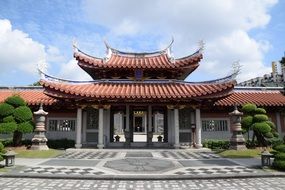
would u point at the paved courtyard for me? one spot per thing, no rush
(214, 184)
(135, 164)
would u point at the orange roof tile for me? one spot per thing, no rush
(159, 90)
(260, 98)
(156, 61)
(31, 96)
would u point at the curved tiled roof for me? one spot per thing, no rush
(153, 61)
(158, 90)
(259, 98)
(31, 96)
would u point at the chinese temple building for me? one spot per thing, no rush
(143, 100)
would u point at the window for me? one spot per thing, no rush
(92, 118)
(214, 125)
(61, 124)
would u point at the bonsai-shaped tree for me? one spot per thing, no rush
(256, 120)
(15, 117)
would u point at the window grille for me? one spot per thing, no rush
(214, 125)
(61, 125)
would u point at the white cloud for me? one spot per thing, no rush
(223, 24)
(18, 51)
(72, 71)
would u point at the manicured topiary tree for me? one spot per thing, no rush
(256, 120)
(279, 159)
(15, 117)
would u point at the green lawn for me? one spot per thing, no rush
(24, 153)
(249, 153)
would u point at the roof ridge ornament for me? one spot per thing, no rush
(168, 50)
(42, 67)
(75, 45)
(109, 51)
(201, 44)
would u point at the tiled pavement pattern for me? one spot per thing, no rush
(61, 171)
(215, 184)
(88, 155)
(188, 155)
(216, 170)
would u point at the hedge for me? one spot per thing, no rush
(216, 144)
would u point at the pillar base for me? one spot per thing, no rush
(100, 146)
(78, 145)
(176, 146)
(198, 146)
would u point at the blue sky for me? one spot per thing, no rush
(41, 32)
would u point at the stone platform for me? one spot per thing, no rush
(135, 164)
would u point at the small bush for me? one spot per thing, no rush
(280, 148)
(7, 142)
(61, 143)
(216, 144)
(15, 101)
(25, 127)
(249, 108)
(8, 128)
(8, 119)
(279, 164)
(262, 127)
(275, 134)
(2, 151)
(275, 141)
(260, 118)
(5, 110)
(280, 156)
(23, 114)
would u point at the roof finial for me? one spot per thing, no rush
(168, 49)
(74, 45)
(42, 67)
(201, 44)
(108, 51)
(236, 68)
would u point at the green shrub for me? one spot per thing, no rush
(15, 101)
(279, 164)
(260, 111)
(260, 118)
(268, 135)
(275, 141)
(5, 110)
(246, 122)
(8, 128)
(280, 156)
(22, 114)
(7, 142)
(8, 119)
(61, 143)
(216, 144)
(272, 125)
(2, 151)
(25, 127)
(275, 134)
(249, 108)
(280, 148)
(261, 127)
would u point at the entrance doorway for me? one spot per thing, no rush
(139, 126)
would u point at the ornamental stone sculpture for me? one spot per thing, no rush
(237, 141)
(39, 141)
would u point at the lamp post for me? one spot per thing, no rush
(193, 128)
(39, 141)
(237, 141)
